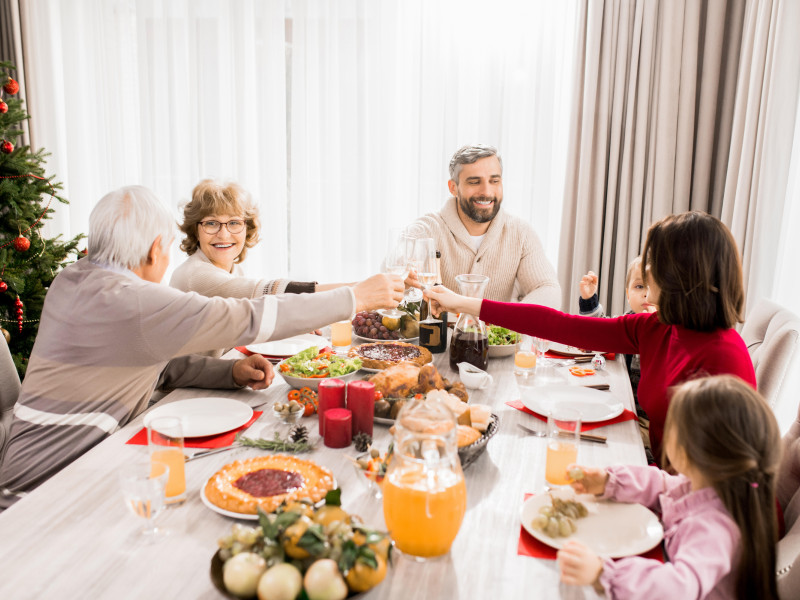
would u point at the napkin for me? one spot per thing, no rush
(221, 440)
(530, 546)
(626, 415)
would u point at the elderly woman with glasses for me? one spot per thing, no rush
(220, 223)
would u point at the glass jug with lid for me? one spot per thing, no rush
(470, 342)
(424, 494)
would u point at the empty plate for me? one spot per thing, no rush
(289, 346)
(594, 405)
(204, 416)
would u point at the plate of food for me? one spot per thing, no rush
(568, 351)
(371, 326)
(610, 529)
(593, 405)
(312, 365)
(289, 346)
(204, 416)
(377, 356)
(502, 341)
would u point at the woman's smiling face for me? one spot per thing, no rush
(222, 247)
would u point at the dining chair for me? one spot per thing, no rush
(788, 493)
(9, 391)
(772, 335)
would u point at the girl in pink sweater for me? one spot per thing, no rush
(694, 276)
(719, 512)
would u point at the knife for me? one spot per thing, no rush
(586, 437)
(210, 452)
(598, 386)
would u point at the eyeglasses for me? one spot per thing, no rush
(212, 227)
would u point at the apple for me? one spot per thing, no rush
(281, 582)
(323, 581)
(242, 572)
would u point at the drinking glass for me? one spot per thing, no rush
(341, 335)
(542, 346)
(398, 260)
(143, 486)
(525, 357)
(563, 436)
(425, 261)
(165, 440)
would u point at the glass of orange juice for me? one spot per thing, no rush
(525, 357)
(563, 436)
(165, 440)
(341, 334)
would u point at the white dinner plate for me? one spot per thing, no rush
(204, 416)
(571, 351)
(289, 346)
(594, 405)
(222, 511)
(612, 529)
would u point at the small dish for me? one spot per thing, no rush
(287, 417)
(473, 377)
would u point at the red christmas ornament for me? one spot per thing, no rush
(18, 304)
(3, 286)
(6, 147)
(3, 107)
(22, 243)
(11, 86)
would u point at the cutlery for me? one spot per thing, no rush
(586, 437)
(210, 452)
(598, 386)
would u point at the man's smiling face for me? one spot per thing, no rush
(479, 189)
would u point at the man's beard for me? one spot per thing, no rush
(479, 215)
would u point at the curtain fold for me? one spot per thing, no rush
(11, 51)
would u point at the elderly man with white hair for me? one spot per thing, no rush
(110, 333)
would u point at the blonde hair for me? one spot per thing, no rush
(636, 262)
(210, 197)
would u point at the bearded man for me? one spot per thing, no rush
(475, 236)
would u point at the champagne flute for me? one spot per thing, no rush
(425, 258)
(396, 262)
(542, 346)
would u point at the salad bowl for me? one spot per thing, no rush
(502, 341)
(312, 365)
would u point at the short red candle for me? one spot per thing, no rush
(338, 427)
(361, 401)
(330, 395)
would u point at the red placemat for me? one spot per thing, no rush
(210, 441)
(626, 415)
(244, 350)
(530, 546)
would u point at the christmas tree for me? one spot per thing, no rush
(28, 261)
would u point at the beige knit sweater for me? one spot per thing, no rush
(510, 254)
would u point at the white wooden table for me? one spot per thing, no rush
(73, 537)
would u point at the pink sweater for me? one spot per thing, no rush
(699, 535)
(669, 354)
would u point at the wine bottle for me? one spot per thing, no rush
(433, 333)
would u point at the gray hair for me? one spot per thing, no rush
(466, 155)
(125, 223)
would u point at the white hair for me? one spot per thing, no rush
(125, 223)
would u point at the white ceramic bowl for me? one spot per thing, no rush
(313, 383)
(504, 350)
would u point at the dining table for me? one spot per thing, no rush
(72, 537)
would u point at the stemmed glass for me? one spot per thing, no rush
(425, 260)
(143, 487)
(397, 262)
(542, 346)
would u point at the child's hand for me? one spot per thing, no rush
(588, 285)
(592, 482)
(579, 565)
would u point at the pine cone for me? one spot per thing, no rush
(298, 434)
(362, 442)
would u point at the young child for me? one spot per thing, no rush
(636, 293)
(719, 513)
(694, 276)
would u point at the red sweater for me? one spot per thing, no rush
(669, 354)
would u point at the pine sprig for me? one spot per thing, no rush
(277, 444)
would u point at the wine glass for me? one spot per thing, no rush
(542, 346)
(425, 259)
(143, 486)
(397, 262)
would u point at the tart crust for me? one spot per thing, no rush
(221, 489)
(382, 355)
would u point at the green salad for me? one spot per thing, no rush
(315, 363)
(500, 336)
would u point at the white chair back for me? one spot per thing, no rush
(9, 392)
(772, 335)
(788, 493)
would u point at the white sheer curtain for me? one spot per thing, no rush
(339, 116)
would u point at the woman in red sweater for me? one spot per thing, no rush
(694, 274)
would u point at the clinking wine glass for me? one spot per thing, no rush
(425, 261)
(542, 346)
(397, 262)
(144, 486)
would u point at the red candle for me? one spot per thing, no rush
(361, 401)
(330, 395)
(338, 427)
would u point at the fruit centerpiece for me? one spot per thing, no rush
(319, 551)
(371, 325)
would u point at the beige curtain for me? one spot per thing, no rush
(652, 124)
(11, 50)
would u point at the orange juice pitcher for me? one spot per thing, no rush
(424, 494)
